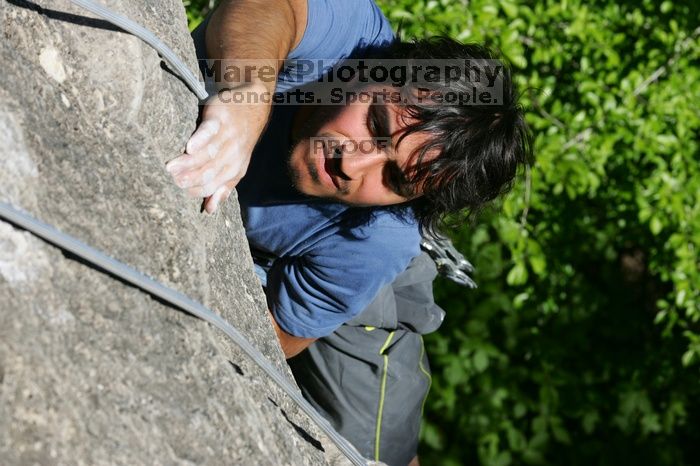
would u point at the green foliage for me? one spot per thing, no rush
(582, 343)
(197, 10)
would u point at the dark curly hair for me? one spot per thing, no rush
(480, 145)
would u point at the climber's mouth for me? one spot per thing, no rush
(332, 166)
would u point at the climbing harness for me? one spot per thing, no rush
(130, 275)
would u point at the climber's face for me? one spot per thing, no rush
(349, 154)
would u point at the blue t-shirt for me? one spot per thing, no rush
(327, 260)
(335, 30)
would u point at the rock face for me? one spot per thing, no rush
(93, 371)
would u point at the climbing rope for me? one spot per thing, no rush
(148, 37)
(450, 262)
(147, 284)
(181, 301)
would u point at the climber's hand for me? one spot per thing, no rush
(218, 153)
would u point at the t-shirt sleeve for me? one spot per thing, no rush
(335, 29)
(312, 295)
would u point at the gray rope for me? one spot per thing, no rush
(146, 283)
(148, 37)
(179, 300)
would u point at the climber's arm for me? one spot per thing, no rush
(291, 345)
(262, 31)
(241, 33)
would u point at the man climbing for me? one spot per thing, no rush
(335, 233)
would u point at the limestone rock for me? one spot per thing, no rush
(93, 371)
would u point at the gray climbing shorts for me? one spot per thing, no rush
(371, 377)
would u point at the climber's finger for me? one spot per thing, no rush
(229, 165)
(210, 178)
(184, 165)
(229, 175)
(190, 162)
(204, 145)
(221, 194)
(199, 170)
(205, 133)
